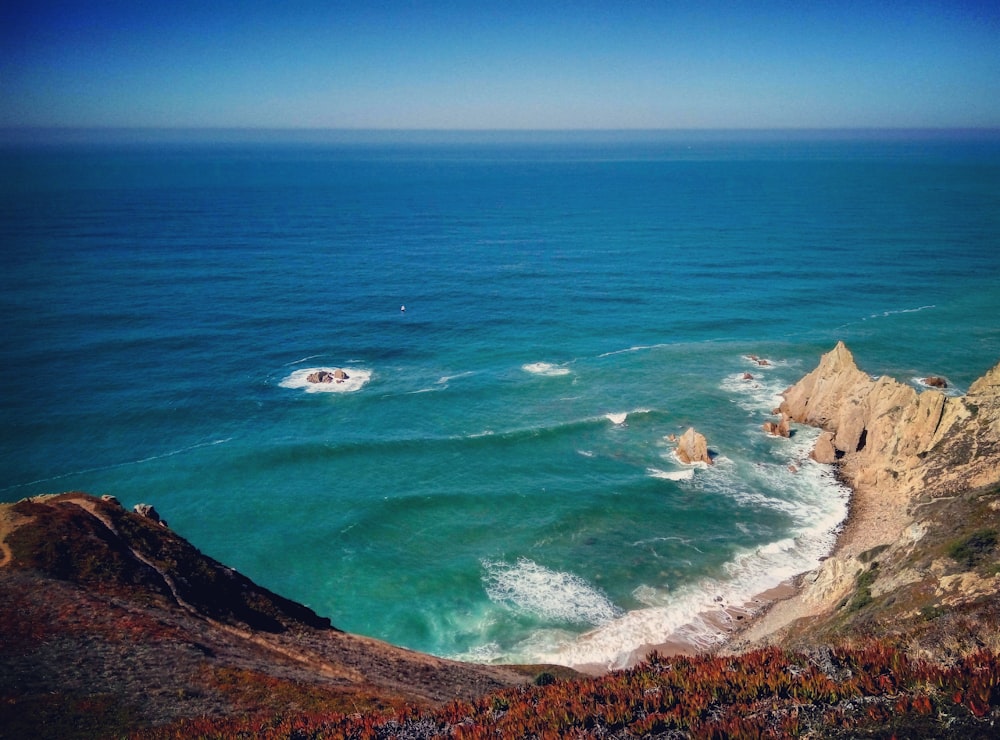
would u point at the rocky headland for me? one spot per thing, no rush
(924, 469)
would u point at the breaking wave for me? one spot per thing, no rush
(550, 595)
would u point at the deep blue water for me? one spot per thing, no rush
(469, 491)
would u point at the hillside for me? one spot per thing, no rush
(113, 625)
(109, 616)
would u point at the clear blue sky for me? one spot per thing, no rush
(489, 65)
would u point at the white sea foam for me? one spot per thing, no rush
(300, 360)
(761, 393)
(444, 379)
(545, 368)
(636, 348)
(686, 474)
(547, 594)
(358, 378)
(884, 314)
(951, 390)
(805, 490)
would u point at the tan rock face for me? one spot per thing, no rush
(778, 428)
(887, 434)
(692, 447)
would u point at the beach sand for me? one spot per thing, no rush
(875, 517)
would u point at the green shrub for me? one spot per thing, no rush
(970, 550)
(863, 588)
(544, 679)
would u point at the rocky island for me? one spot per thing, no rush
(112, 625)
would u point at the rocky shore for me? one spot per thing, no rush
(917, 464)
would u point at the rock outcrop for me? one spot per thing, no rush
(886, 434)
(326, 376)
(147, 511)
(780, 428)
(693, 448)
(925, 472)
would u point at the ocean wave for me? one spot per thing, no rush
(445, 379)
(116, 466)
(894, 312)
(675, 475)
(694, 613)
(629, 350)
(358, 378)
(757, 394)
(301, 360)
(550, 595)
(547, 369)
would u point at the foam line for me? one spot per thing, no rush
(115, 466)
(675, 475)
(551, 595)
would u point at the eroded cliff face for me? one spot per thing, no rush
(925, 470)
(887, 435)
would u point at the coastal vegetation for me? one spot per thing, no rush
(865, 691)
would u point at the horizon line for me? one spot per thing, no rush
(12, 135)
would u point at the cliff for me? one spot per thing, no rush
(887, 435)
(916, 562)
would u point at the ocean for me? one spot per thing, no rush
(525, 320)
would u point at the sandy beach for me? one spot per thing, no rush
(875, 517)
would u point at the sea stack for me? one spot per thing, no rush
(693, 448)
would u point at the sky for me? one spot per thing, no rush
(570, 64)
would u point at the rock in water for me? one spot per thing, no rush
(824, 451)
(779, 428)
(692, 447)
(325, 376)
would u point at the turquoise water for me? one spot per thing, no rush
(495, 481)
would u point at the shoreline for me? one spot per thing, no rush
(874, 518)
